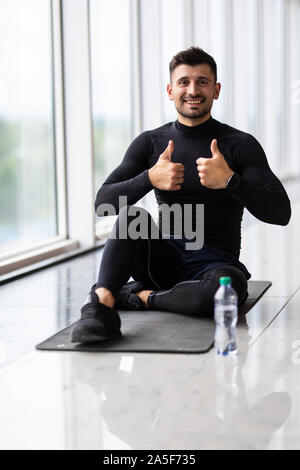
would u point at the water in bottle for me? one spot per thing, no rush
(226, 307)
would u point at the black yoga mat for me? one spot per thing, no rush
(155, 331)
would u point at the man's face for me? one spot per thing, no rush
(193, 90)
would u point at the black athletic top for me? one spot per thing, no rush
(259, 190)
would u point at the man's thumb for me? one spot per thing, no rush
(167, 154)
(214, 148)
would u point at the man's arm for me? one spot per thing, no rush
(257, 188)
(133, 179)
(130, 178)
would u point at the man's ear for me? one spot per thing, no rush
(217, 91)
(170, 92)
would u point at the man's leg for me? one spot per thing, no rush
(140, 258)
(197, 297)
(149, 260)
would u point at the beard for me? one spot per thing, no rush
(193, 113)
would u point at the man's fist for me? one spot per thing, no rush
(214, 172)
(165, 174)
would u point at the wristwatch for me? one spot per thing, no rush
(233, 182)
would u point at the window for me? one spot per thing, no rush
(28, 213)
(111, 84)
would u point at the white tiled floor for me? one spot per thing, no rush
(73, 400)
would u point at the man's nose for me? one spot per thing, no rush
(193, 89)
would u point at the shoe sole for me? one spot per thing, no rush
(85, 337)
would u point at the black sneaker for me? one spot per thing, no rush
(126, 298)
(97, 323)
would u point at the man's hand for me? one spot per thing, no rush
(214, 172)
(165, 174)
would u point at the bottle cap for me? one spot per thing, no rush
(224, 281)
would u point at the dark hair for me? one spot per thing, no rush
(193, 56)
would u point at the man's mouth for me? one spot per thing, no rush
(198, 101)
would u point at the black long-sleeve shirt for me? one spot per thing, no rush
(259, 190)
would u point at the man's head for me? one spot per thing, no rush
(193, 85)
(193, 56)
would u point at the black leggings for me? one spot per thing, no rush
(156, 264)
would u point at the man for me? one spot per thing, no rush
(193, 161)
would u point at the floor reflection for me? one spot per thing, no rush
(146, 403)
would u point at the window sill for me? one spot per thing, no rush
(49, 261)
(32, 257)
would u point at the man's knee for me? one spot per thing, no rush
(203, 301)
(131, 211)
(136, 223)
(238, 280)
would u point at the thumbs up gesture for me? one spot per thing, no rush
(165, 174)
(214, 172)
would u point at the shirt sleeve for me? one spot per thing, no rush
(259, 190)
(130, 178)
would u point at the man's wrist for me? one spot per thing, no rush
(233, 181)
(228, 179)
(150, 176)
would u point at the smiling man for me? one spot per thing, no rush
(193, 162)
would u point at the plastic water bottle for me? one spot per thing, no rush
(226, 307)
